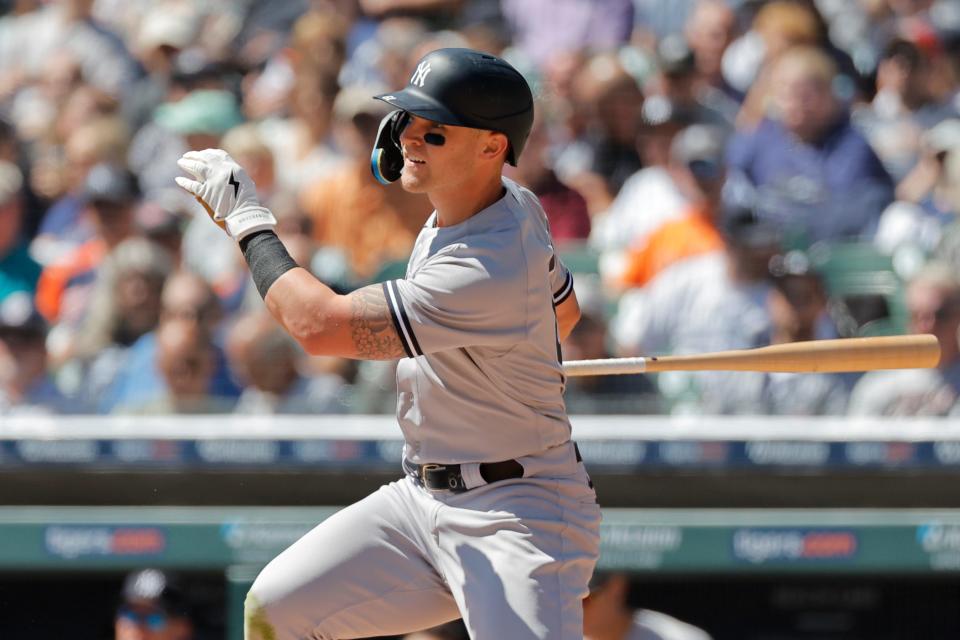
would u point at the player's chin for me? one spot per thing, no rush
(413, 183)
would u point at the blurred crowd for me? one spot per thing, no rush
(718, 174)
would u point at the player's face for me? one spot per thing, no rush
(437, 156)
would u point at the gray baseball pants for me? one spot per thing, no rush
(512, 558)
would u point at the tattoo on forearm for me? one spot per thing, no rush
(371, 327)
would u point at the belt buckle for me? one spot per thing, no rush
(424, 469)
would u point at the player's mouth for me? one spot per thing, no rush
(415, 160)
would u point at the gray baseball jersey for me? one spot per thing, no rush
(483, 384)
(475, 313)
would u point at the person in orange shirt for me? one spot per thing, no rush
(696, 164)
(372, 224)
(64, 288)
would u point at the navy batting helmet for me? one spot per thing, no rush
(468, 88)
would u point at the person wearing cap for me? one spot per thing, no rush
(152, 607)
(711, 302)
(933, 304)
(26, 387)
(679, 81)
(495, 519)
(649, 197)
(608, 614)
(18, 271)
(63, 291)
(920, 222)
(698, 169)
(65, 286)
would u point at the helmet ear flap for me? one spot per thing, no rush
(386, 159)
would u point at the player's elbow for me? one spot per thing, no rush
(317, 325)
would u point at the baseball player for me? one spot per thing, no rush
(495, 520)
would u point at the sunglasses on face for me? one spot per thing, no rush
(152, 620)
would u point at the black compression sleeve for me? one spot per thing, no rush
(267, 257)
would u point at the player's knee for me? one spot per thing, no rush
(273, 612)
(256, 620)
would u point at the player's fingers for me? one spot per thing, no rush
(192, 186)
(195, 155)
(197, 169)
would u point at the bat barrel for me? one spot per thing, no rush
(824, 356)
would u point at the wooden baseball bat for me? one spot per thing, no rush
(823, 356)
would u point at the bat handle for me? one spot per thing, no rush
(607, 367)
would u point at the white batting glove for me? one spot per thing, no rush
(225, 191)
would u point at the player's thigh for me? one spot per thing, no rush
(362, 572)
(519, 558)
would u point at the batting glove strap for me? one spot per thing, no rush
(244, 221)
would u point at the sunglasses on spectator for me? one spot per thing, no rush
(152, 620)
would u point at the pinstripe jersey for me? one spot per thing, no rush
(483, 380)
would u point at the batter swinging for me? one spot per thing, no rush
(496, 519)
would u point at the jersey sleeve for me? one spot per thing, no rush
(561, 280)
(459, 300)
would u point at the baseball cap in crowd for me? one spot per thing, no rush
(18, 314)
(154, 588)
(744, 227)
(212, 111)
(109, 183)
(166, 26)
(700, 147)
(355, 100)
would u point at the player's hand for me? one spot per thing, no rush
(225, 191)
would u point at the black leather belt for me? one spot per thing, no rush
(440, 477)
(447, 477)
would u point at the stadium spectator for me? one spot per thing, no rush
(188, 298)
(370, 223)
(66, 224)
(797, 304)
(678, 80)
(709, 30)
(697, 168)
(541, 28)
(270, 364)
(25, 385)
(713, 302)
(933, 300)
(186, 359)
(816, 172)
(124, 306)
(163, 32)
(18, 271)
(917, 221)
(648, 198)
(565, 208)
(608, 614)
(894, 121)
(604, 153)
(594, 395)
(153, 607)
(65, 286)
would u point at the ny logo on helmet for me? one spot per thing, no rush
(420, 75)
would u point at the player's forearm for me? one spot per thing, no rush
(304, 306)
